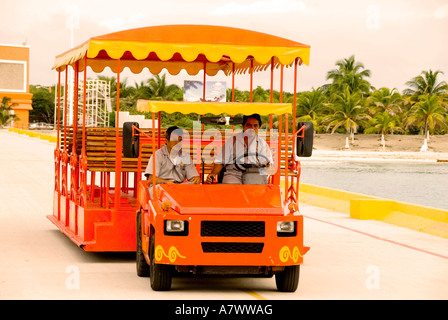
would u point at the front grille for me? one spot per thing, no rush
(232, 228)
(232, 247)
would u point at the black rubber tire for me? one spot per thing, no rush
(304, 146)
(161, 274)
(130, 143)
(142, 265)
(288, 280)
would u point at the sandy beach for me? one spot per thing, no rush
(369, 147)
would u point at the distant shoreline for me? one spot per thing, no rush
(368, 147)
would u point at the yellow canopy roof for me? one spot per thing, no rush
(216, 108)
(188, 47)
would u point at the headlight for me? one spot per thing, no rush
(286, 228)
(176, 227)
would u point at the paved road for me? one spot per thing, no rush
(349, 259)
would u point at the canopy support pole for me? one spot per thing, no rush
(84, 101)
(83, 157)
(280, 128)
(118, 145)
(65, 108)
(159, 124)
(75, 104)
(203, 88)
(251, 79)
(154, 156)
(59, 108)
(205, 78)
(74, 163)
(294, 162)
(57, 152)
(233, 82)
(272, 90)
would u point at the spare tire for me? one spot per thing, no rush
(130, 143)
(304, 146)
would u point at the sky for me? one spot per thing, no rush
(395, 39)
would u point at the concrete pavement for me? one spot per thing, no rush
(349, 258)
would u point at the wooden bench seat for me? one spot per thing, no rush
(101, 146)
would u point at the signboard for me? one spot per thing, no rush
(13, 76)
(215, 91)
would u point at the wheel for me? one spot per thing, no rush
(142, 265)
(288, 280)
(161, 274)
(130, 142)
(304, 146)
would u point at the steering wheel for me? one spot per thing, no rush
(244, 166)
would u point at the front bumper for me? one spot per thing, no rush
(237, 243)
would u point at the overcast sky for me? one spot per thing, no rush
(395, 39)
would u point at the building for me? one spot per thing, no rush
(14, 80)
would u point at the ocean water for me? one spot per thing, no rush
(423, 184)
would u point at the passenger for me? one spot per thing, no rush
(244, 147)
(172, 165)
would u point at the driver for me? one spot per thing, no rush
(244, 147)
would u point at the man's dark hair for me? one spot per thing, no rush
(255, 116)
(176, 130)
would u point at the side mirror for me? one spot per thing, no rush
(131, 143)
(304, 145)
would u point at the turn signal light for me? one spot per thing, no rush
(166, 205)
(293, 207)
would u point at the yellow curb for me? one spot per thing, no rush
(34, 134)
(424, 219)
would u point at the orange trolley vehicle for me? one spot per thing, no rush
(102, 202)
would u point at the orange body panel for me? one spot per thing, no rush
(221, 203)
(94, 228)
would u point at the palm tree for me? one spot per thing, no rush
(142, 91)
(260, 95)
(240, 96)
(426, 84)
(310, 105)
(383, 123)
(161, 91)
(6, 115)
(310, 102)
(385, 99)
(349, 74)
(428, 113)
(348, 112)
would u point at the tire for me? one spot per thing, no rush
(130, 143)
(161, 274)
(304, 146)
(142, 265)
(288, 280)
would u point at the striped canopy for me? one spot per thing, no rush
(185, 47)
(216, 108)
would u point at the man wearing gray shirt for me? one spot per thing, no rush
(172, 165)
(245, 146)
